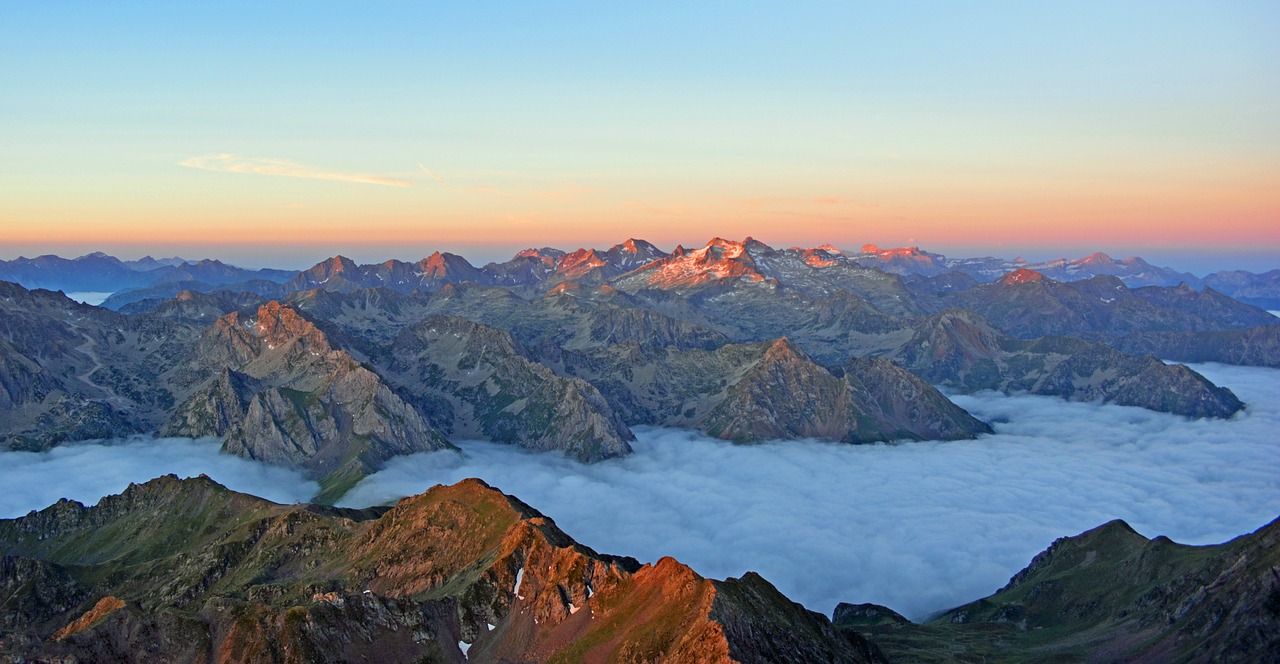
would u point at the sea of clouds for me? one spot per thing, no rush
(919, 527)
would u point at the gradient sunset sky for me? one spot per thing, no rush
(283, 133)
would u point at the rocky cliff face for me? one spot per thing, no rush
(280, 393)
(187, 570)
(474, 381)
(1110, 594)
(958, 348)
(769, 391)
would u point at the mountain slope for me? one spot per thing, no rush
(1028, 304)
(473, 381)
(769, 391)
(958, 348)
(186, 569)
(1255, 346)
(280, 393)
(1110, 594)
(69, 371)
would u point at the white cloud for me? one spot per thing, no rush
(432, 174)
(87, 472)
(919, 527)
(225, 162)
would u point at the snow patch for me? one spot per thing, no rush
(519, 580)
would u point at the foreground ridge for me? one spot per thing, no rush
(187, 570)
(1108, 594)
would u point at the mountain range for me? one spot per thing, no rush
(187, 570)
(566, 352)
(337, 369)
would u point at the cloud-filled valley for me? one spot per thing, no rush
(919, 527)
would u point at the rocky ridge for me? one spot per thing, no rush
(1109, 594)
(278, 392)
(458, 573)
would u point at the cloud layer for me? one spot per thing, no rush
(919, 527)
(225, 162)
(87, 472)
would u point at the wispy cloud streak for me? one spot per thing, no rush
(226, 162)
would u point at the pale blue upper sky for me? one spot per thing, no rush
(922, 119)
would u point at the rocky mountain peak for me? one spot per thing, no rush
(783, 350)
(578, 263)
(1096, 258)
(1021, 275)
(276, 324)
(332, 266)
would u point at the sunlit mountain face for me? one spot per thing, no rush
(825, 332)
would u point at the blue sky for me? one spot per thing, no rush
(1018, 128)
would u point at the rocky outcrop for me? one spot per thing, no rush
(959, 349)
(280, 393)
(769, 391)
(460, 572)
(475, 381)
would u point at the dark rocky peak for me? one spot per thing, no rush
(753, 245)
(866, 615)
(274, 326)
(640, 249)
(332, 266)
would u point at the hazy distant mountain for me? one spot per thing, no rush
(187, 570)
(98, 272)
(91, 272)
(169, 289)
(1133, 271)
(1261, 290)
(1108, 594)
